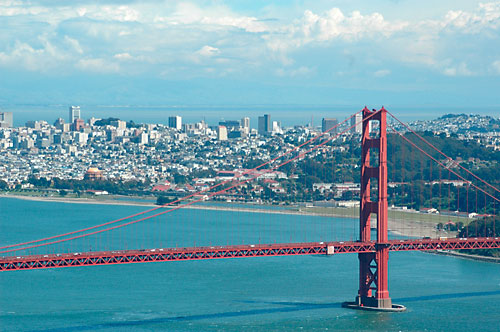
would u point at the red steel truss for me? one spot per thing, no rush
(180, 254)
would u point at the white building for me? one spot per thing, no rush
(74, 113)
(245, 124)
(6, 119)
(357, 123)
(119, 124)
(81, 138)
(222, 133)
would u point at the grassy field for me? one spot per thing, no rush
(352, 212)
(393, 214)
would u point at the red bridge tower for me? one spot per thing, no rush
(373, 291)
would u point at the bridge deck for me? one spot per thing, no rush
(217, 252)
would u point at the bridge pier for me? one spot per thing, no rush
(373, 293)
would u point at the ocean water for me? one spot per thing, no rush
(302, 293)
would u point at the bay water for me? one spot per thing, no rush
(299, 293)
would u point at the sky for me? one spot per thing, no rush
(398, 53)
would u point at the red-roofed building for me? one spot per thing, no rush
(161, 187)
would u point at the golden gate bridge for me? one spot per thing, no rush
(107, 243)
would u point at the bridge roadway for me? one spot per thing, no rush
(29, 262)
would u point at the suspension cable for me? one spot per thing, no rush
(185, 197)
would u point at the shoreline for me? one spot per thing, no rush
(397, 226)
(473, 257)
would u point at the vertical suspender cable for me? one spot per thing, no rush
(467, 203)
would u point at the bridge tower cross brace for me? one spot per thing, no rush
(373, 267)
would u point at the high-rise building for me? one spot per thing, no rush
(222, 133)
(265, 124)
(357, 124)
(143, 138)
(329, 123)
(277, 128)
(74, 113)
(6, 119)
(175, 122)
(59, 123)
(245, 123)
(110, 135)
(78, 124)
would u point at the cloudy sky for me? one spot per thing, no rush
(247, 52)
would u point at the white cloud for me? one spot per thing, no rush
(211, 16)
(496, 66)
(8, 3)
(208, 51)
(114, 13)
(300, 71)
(41, 59)
(487, 16)
(328, 27)
(74, 43)
(123, 56)
(334, 24)
(97, 65)
(15, 8)
(382, 73)
(146, 34)
(460, 70)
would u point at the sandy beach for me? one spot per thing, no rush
(399, 226)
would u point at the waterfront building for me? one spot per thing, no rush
(93, 173)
